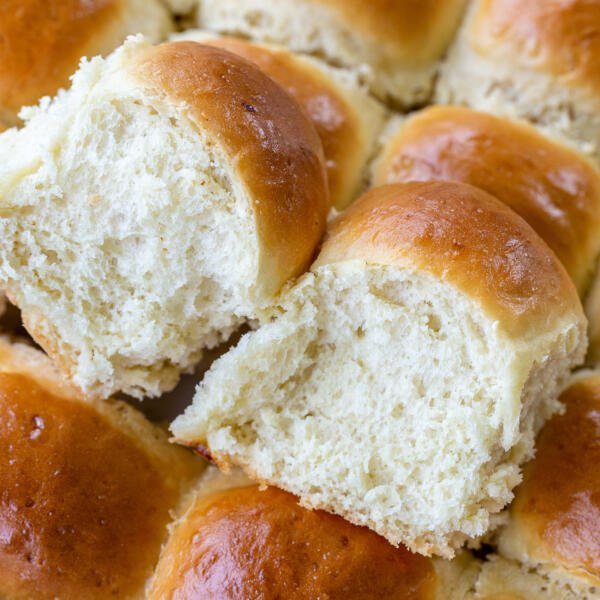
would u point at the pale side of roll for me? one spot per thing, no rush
(536, 60)
(395, 46)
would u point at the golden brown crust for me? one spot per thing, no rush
(560, 38)
(334, 119)
(272, 144)
(462, 235)
(415, 30)
(262, 544)
(556, 190)
(84, 504)
(556, 512)
(41, 42)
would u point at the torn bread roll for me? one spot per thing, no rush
(550, 548)
(237, 540)
(405, 377)
(153, 208)
(537, 60)
(554, 188)
(86, 487)
(395, 46)
(44, 40)
(346, 118)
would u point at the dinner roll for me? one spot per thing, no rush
(395, 46)
(536, 59)
(153, 208)
(42, 41)
(403, 380)
(86, 487)
(248, 542)
(555, 189)
(346, 118)
(553, 534)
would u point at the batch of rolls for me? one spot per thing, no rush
(370, 231)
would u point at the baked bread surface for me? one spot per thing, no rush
(350, 397)
(86, 487)
(554, 188)
(44, 40)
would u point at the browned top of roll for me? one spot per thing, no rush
(83, 507)
(41, 42)
(555, 189)
(560, 38)
(334, 119)
(270, 141)
(262, 544)
(556, 512)
(418, 30)
(462, 235)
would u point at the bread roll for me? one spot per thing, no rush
(43, 41)
(153, 208)
(403, 382)
(555, 189)
(550, 548)
(346, 118)
(86, 487)
(248, 542)
(536, 59)
(395, 46)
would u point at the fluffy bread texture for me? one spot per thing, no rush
(153, 208)
(405, 377)
(395, 46)
(347, 119)
(212, 553)
(536, 60)
(44, 40)
(86, 487)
